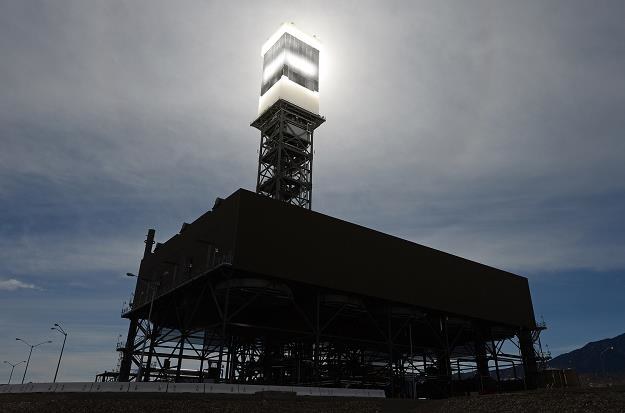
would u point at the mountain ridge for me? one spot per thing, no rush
(606, 356)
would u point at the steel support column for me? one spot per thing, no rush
(481, 355)
(528, 354)
(148, 366)
(128, 351)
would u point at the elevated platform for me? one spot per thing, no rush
(258, 235)
(258, 291)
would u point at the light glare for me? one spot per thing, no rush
(293, 30)
(298, 63)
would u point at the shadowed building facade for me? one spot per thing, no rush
(260, 291)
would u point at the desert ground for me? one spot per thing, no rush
(607, 399)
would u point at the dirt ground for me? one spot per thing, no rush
(557, 400)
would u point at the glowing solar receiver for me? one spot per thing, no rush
(290, 69)
(288, 114)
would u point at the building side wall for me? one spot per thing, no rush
(281, 240)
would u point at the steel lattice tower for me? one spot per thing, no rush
(285, 158)
(288, 116)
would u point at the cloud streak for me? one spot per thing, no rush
(12, 284)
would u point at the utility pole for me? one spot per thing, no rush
(30, 354)
(58, 328)
(13, 368)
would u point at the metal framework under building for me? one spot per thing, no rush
(285, 158)
(201, 314)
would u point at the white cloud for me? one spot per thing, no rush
(12, 284)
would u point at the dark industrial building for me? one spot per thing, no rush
(259, 291)
(263, 290)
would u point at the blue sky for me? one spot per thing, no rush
(491, 130)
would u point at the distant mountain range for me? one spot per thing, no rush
(594, 357)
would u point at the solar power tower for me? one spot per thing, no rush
(288, 114)
(215, 304)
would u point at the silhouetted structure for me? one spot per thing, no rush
(285, 158)
(259, 291)
(288, 114)
(263, 290)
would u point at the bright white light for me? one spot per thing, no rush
(294, 31)
(275, 65)
(290, 91)
(302, 65)
(298, 63)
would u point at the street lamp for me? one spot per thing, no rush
(58, 328)
(151, 283)
(29, 354)
(13, 368)
(603, 360)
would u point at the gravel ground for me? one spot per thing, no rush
(560, 401)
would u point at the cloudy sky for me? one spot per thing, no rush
(494, 130)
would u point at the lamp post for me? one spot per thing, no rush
(29, 354)
(603, 360)
(13, 368)
(58, 328)
(151, 283)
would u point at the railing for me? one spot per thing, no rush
(218, 258)
(121, 345)
(127, 305)
(545, 355)
(214, 260)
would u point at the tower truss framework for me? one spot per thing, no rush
(285, 157)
